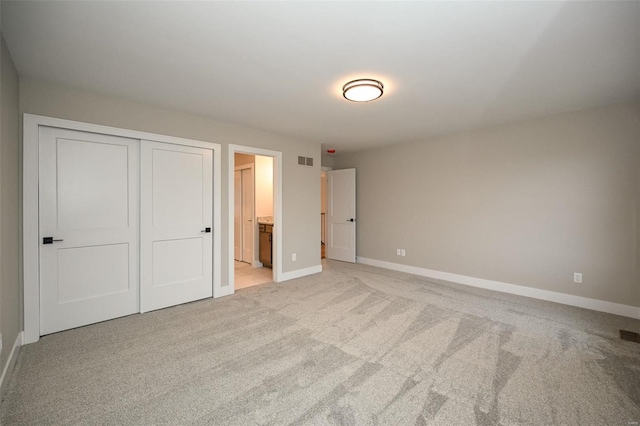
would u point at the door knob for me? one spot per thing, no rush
(206, 230)
(351, 220)
(50, 240)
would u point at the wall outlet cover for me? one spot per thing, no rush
(577, 277)
(293, 257)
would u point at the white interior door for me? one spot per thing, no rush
(88, 214)
(341, 215)
(248, 200)
(237, 215)
(176, 211)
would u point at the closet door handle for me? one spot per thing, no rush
(50, 240)
(206, 230)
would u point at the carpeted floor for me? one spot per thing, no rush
(355, 345)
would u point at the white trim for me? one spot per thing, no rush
(114, 131)
(30, 236)
(30, 231)
(226, 291)
(217, 221)
(11, 362)
(277, 208)
(535, 293)
(257, 264)
(298, 273)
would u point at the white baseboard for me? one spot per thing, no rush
(257, 264)
(11, 362)
(224, 291)
(298, 273)
(552, 296)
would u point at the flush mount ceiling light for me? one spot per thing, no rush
(363, 90)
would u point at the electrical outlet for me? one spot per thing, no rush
(402, 252)
(577, 277)
(293, 257)
(398, 252)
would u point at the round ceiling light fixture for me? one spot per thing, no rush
(363, 90)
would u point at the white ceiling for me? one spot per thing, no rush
(446, 66)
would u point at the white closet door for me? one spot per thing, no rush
(176, 211)
(88, 214)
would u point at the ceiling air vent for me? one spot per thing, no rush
(305, 161)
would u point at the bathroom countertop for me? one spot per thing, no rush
(265, 220)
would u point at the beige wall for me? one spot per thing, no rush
(263, 177)
(264, 185)
(10, 303)
(328, 160)
(527, 204)
(301, 188)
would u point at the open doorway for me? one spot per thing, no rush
(323, 213)
(253, 219)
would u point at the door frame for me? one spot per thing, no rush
(250, 166)
(277, 208)
(30, 213)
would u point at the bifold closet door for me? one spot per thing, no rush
(176, 215)
(248, 227)
(88, 228)
(237, 215)
(243, 213)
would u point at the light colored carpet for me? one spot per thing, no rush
(354, 345)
